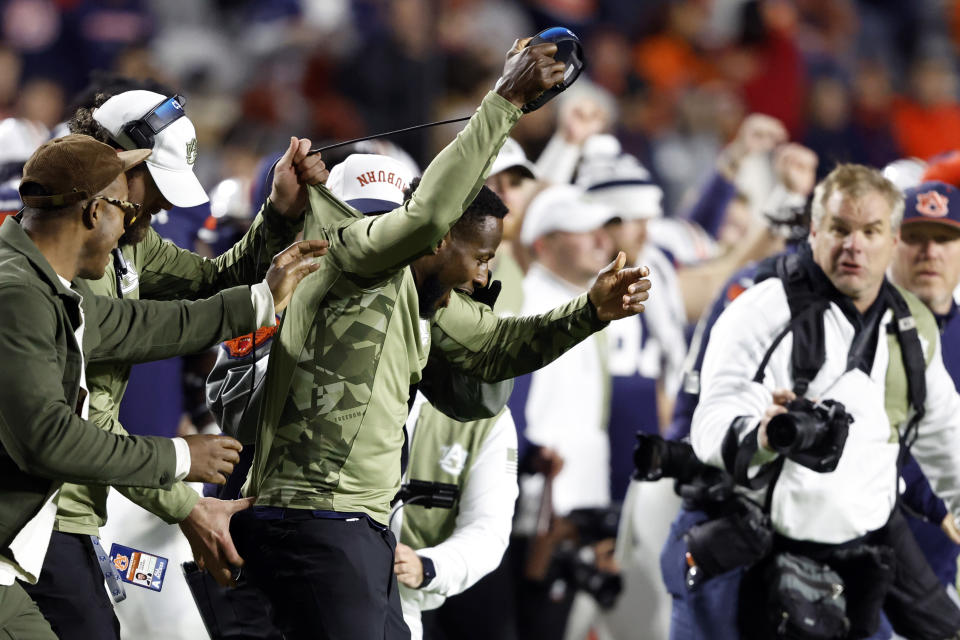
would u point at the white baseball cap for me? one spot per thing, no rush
(618, 180)
(905, 172)
(512, 155)
(19, 138)
(562, 207)
(370, 183)
(174, 148)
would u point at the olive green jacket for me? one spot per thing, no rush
(43, 440)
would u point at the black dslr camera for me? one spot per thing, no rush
(429, 494)
(697, 483)
(811, 433)
(573, 560)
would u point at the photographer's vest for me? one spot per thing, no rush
(911, 340)
(442, 450)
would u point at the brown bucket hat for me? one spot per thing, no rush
(74, 168)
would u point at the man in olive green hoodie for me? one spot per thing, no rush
(75, 194)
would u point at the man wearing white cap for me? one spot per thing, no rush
(19, 138)
(564, 405)
(145, 266)
(514, 179)
(330, 435)
(565, 408)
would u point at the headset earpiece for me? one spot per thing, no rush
(139, 133)
(142, 132)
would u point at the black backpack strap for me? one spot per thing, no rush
(806, 322)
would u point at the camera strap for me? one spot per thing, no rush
(806, 323)
(747, 449)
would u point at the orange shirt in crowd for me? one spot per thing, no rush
(924, 132)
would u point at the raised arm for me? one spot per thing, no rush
(168, 272)
(378, 245)
(132, 331)
(381, 244)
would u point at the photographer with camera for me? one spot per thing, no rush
(814, 384)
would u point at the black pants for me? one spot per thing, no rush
(325, 578)
(917, 605)
(70, 592)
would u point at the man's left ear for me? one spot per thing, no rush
(90, 214)
(443, 244)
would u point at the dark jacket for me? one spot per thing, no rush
(43, 441)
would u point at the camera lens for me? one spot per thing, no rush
(782, 432)
(794, 431)
(648, 457)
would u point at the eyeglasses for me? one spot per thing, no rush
(130, 209)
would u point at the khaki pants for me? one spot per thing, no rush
(20, 619)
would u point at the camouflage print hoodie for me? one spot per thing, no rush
(351, 342)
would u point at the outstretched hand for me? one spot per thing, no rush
(296, 169)
(290, 266)
(207, 529)
(619, 292)
(529, 71)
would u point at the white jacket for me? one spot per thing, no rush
(859, 495)
(567, 405)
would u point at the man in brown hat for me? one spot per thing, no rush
(74, 190)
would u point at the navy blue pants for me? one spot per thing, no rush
(324, 577)
(70, 592)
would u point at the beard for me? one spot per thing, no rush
(136, 232)
(431, 293)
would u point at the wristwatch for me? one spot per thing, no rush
(429, 571)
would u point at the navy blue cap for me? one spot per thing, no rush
(936, 202)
